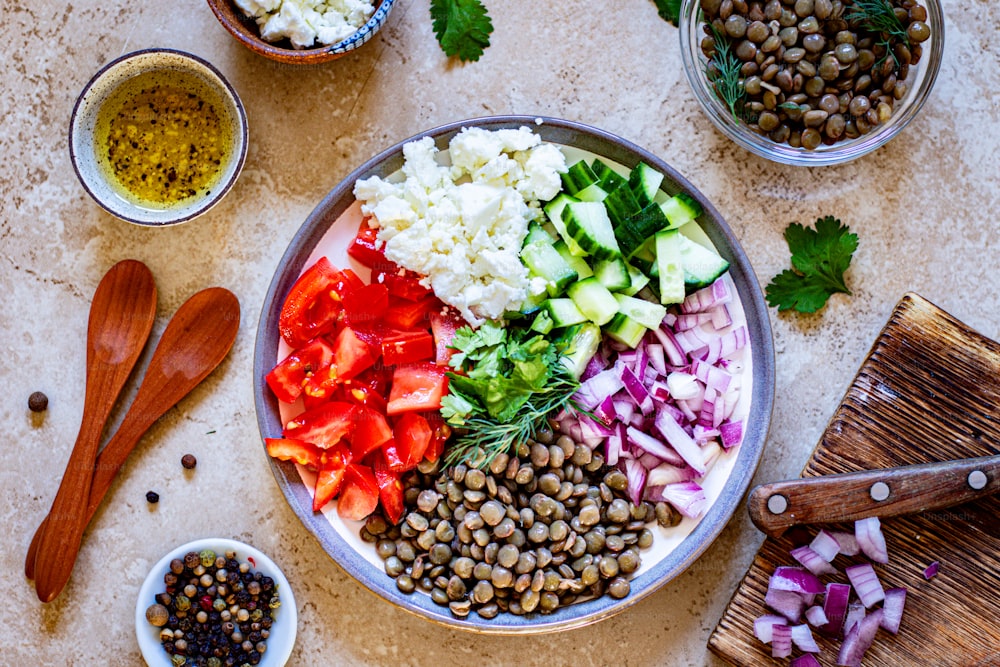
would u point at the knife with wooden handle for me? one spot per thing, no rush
(883, 493)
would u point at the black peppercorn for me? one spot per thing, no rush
(152, 497)
(38, 402)
(189, 461)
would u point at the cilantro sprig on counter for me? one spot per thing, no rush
(462, 27)
(669, 10)
(510, 381)
(820, 257)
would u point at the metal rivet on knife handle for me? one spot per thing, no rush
(879, 491)
(777, 504)
(977, 479)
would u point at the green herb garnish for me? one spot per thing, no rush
(511, 381)
(462, 27)
(877, 16)
(669, 10)
(820, 257)
(723, 71)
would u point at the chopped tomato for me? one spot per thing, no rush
(330, 476)
(358, 494)
(440, 432)
(407, 347)
(365, 308)
(412, 435)
(365, 247)
(417, 387)
(390, 490)
(351, 282)
(444, 323)
(360, 393)
(312, 305)
(403, 314)
(351, 354)
(289, 376)
(400, 282)
(371, 431)
(324, 426)
(290, 449)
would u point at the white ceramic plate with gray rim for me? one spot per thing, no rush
(328, 230)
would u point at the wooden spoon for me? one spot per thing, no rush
(121, 317)
(883, 493)
(195, 341)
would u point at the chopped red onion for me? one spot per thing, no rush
(712, 376)
(657, 359)
(859, 640)
(781, 641)
(871, 540)
(795, 579)
(805, 660)
(721, 317)
(612, 448)
(635, 473)
(835, 607)
(816, 616)
(892, 609)
(667, 473)
(812, 561)
(731, 433)
(671, 346)
(787, 603)
(825, 545)
(848, 543)
(679, 439)
(636, 390)
(683, 386)
(866, 583)
(855, 612)
(931, 570)
(762, 626)
(707, 297)
(803, 638)
(688, 498)
(687, 321)
(652, 445)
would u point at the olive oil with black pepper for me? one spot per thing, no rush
(164, 137)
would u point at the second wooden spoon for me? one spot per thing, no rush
(195, 341)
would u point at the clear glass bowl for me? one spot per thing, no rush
(920, 81)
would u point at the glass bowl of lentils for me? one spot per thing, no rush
(215, 602)
(811, 82)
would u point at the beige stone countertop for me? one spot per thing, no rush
(924, 207)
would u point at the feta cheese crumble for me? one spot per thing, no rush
(307, 22)
(462, 226)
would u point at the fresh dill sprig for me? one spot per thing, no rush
(877, 16)
(723, 71)
(485, 438)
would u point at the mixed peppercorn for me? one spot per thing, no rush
(215, 611)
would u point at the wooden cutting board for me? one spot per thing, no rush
(929, 390)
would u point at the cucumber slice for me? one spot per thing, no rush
(613, 274)
(621, 204)
(680, 209)
(536, 233)
(553, 211)
(701, 265)
(577, 177)
(578, 344)
(592, 192)
(607, 176)
(641, 226)
(542, 322)
(588, 224)
(638, 280)
(625, 330)
(576, 263)
(595, 301)
(669, 267)
(542, 260)
(646, 313)
(645, 183)
(563, 312)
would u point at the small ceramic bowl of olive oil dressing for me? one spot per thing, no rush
(158, 137)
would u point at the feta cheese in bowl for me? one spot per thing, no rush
(307, 22)
(463, 226)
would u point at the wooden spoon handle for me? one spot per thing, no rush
(121, 317)
(194, 343)
(883, 493)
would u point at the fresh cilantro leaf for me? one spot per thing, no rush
(462, 27)
(820, 257)
(669, 10)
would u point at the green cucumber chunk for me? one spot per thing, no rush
(607, 177)
(563, 312)
(701, 265)
(668, 266)
(646, 313)
(578, 344)
(594, 300)
(577, 263)
(625, 330)
(588, 224)
(645, 183)
(613, 274)
(578, 176)
(543, 260)
(680, 209)
(553, 211)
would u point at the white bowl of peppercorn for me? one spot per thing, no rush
(811, 82)
(215, 599)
